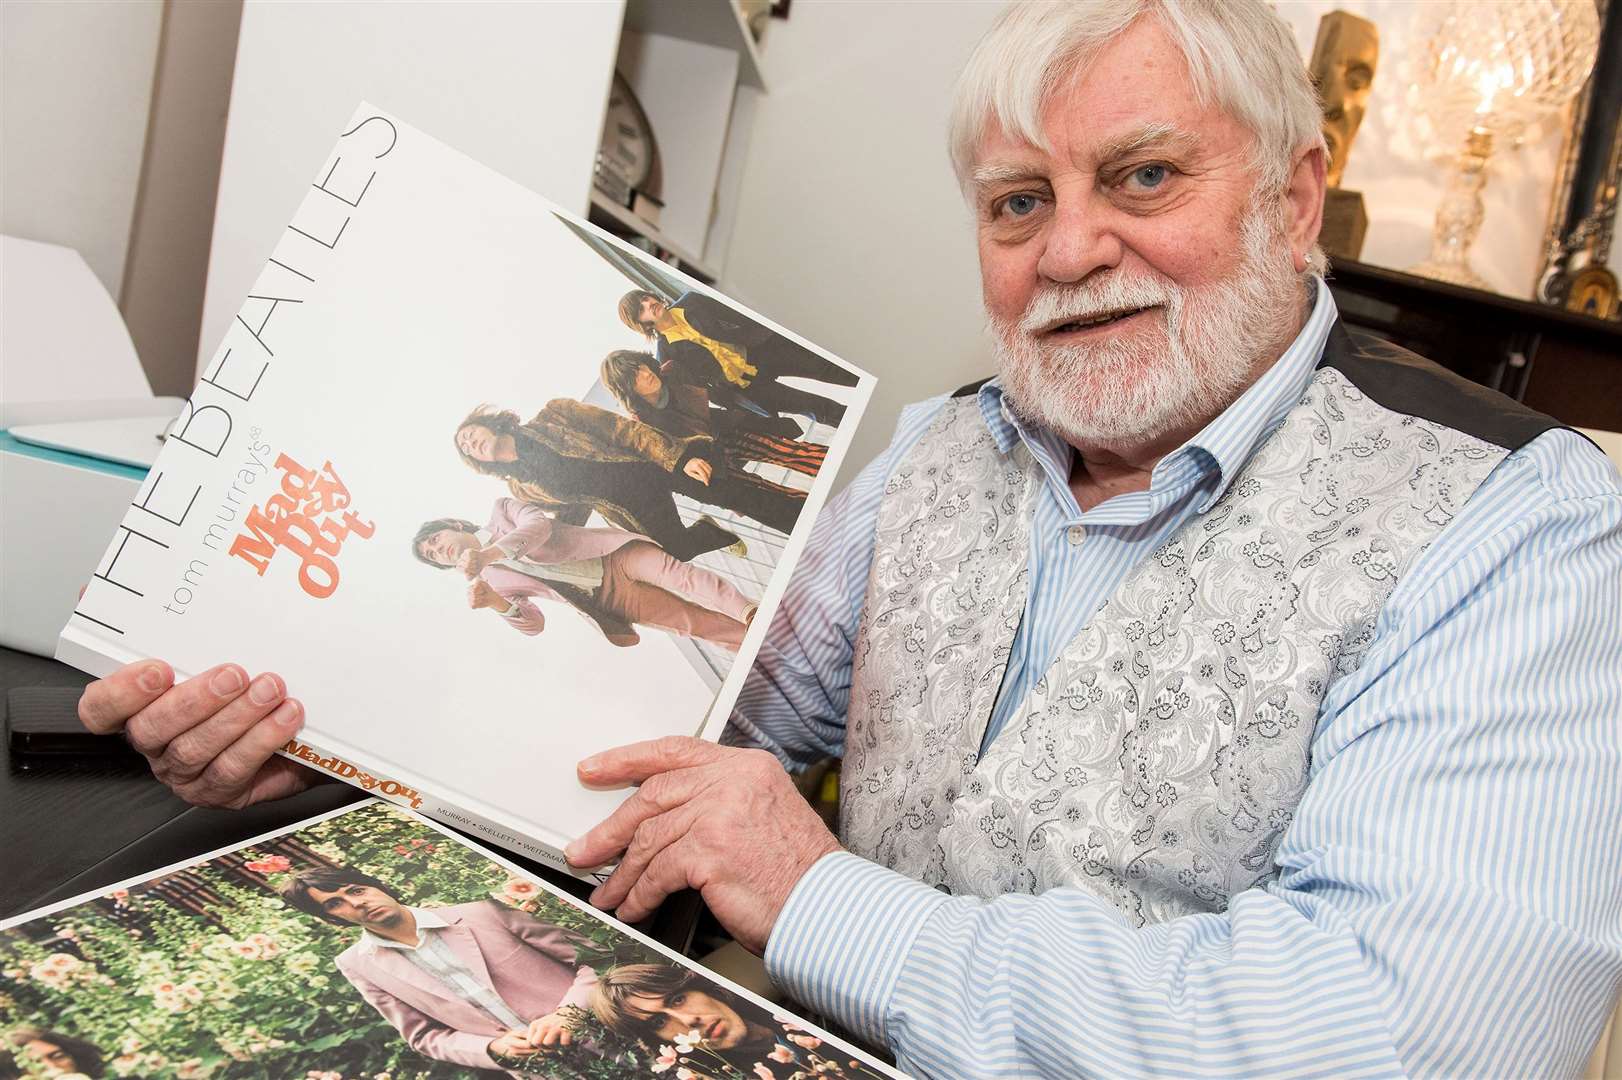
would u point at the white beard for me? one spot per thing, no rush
(1204, 352)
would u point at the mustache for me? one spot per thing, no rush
(1057, 304)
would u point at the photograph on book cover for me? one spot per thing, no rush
(371, 943)
(489, 488)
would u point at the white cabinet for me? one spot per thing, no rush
(697, 73)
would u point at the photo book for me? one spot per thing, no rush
(372, 944)
(489, 488)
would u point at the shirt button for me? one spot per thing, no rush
(1075, 534)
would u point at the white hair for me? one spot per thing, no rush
(1240, 55)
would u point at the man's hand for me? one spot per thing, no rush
(698, 469)
(210, 738)
(725, 821)
(474, 560)
(550, 1030)
(481, 595)
(510, 1044)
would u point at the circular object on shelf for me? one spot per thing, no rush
(627, 155)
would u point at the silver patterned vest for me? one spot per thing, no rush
(1160, 758)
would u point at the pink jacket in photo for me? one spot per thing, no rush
(524, 530)
(529, 963)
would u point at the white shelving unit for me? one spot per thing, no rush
(707, 22)
(627, 222)
(698, 73)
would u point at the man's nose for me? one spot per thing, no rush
(1080, 240)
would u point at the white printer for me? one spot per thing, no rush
(79, 428)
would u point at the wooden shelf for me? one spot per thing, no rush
(1555, 361)
(707, 22)
(617, 214)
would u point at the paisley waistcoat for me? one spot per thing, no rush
(1159, 759)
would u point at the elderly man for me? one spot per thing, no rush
(1219, 692)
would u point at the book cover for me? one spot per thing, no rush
(490, 489)
(371, 943)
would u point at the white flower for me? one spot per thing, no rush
(686, 1042)
(248, 950)
(60, 964)
(518, 889)
(667, 1058)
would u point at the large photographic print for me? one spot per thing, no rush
(492, 490)
(371, 945)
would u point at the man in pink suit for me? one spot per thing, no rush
(481, 984)
(614, 578)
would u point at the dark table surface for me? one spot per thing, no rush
(73, 825)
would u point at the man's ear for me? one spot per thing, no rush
(1304, 203)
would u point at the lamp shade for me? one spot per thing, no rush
(1496, 68)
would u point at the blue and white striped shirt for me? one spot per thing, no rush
(1449, 899)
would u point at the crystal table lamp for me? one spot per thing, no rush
(1483, 73)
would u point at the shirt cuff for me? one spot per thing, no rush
(841, 939)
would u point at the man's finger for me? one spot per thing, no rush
(190, 703)
(652, 836)
(229, 778)
(669, 872)
(107, 704)
(636, 762)
(195, 749)
(614, 833)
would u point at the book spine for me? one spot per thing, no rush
(456, 817)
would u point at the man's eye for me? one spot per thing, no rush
(1019, 205)
(1149, 177)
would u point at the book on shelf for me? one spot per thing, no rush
(370, 942)
(491, 489)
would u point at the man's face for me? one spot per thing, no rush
(647, 383)
(52, 1059)
(477, 442)
(1110, 263)
(364, 905)
(652, 311)
(716, 1022)
(446, 546)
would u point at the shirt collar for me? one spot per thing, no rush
(426, 918)
(1229, 440)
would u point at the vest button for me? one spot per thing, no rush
(1075, 534)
